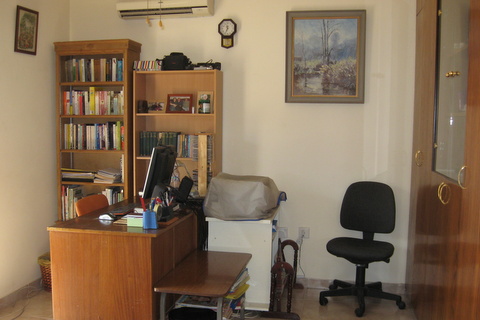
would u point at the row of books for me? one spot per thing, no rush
(94, 101)
(90, 70)
(113, 194)
(147, 65)
(94, 136)
(186, 145)
(152, 139)
(72, 193)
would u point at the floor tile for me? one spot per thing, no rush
(304, 303)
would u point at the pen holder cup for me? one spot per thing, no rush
(149, 220)
(164, 213)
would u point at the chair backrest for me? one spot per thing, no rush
(368, 207)
(90, 204)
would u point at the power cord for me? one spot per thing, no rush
(300, 243)
(17, 312)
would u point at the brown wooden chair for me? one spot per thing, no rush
(90, 204)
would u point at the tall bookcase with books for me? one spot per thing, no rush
(195, 131)
(94, 120)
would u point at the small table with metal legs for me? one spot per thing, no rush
(203, 273)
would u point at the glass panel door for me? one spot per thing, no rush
(452, 74)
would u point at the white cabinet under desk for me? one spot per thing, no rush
(255, 237)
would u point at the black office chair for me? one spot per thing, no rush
(368, 207)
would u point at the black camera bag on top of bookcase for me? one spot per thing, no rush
(176, 61)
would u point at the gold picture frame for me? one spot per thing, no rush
(325, 56)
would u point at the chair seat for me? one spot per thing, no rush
(360, 251)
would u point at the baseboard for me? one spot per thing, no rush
(20, 294)
(396, 288)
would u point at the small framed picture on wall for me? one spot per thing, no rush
(26, 31)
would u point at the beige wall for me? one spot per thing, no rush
(312, 151)
(27, 142)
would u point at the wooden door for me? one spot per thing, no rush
(443, 251)
(467, 298)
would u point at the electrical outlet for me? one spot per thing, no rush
(283, 233)
(304, 231)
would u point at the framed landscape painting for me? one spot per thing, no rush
(325, 56)
(26, 31)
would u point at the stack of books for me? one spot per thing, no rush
(77, 175)
(147, 65)
(109, 175)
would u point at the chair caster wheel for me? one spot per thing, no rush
(359, 312)
(401, 305)
(332, 287)
(323, 301)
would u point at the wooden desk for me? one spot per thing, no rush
(203, 273)
(102, 270)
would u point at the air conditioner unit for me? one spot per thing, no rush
(165, 8)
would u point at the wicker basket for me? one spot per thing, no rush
(44, 262)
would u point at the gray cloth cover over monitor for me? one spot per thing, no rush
(232, 197)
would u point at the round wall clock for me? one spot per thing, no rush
(227, 29)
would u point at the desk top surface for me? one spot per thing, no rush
(90, 223)
(204, 273)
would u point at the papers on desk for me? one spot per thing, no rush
(131, 220)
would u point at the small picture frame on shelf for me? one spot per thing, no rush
(205, 101)
(179, 103)
(156, 107)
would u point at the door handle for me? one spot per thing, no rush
(419, 158)
(452, 74)
(444, 193)
(461, 175)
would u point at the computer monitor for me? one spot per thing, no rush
(160, 170)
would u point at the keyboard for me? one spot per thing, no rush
(123, 210)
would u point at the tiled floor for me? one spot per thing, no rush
(305, 304)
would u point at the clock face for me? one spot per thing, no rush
(227, 27)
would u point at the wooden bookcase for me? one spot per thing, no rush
(93, 136)
(155, 86)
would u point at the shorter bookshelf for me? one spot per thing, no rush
(196, 136)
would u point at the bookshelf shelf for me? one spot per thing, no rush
(155, 86)
(94, 116)
(120, 152)
(92, 183)
(94, 83)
